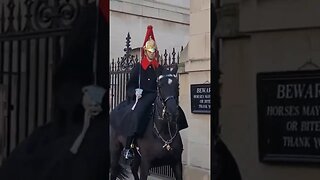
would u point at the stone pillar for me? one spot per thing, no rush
(195, 69)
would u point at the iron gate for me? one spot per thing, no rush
(32, 38)
(119, 75)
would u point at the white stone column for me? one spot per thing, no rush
(195, 69)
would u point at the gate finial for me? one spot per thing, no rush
(126, 62)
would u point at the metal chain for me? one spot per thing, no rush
(167, 142)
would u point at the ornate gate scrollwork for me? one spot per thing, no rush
(56, 13)
(127, 61)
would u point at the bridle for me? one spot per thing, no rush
(162, 115)
(168, 98)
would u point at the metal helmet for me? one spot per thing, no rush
(150, 45)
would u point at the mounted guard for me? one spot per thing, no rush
(141, 88)
(131, 118)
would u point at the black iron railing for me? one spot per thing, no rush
(32, 38)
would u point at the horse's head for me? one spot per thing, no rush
(167, 84)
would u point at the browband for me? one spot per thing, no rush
(168, 75)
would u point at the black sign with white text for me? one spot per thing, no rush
(289, 116)
(200, 98)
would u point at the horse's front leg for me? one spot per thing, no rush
(177, 170)
(115, 167)
(135, 168)
(115, 153)
(144, 169)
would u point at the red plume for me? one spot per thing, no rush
(104, 9)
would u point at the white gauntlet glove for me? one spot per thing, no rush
(138, 96)
(139, 93)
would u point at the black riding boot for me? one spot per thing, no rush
(127, 152)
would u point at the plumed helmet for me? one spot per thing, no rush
(149, 43)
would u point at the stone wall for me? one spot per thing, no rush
(196, 70)
(170, 24)
(266, 36)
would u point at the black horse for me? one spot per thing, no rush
(161, 143)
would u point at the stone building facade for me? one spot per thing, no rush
(262, 36)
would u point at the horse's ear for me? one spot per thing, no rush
(159, 71)
(175, 69)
